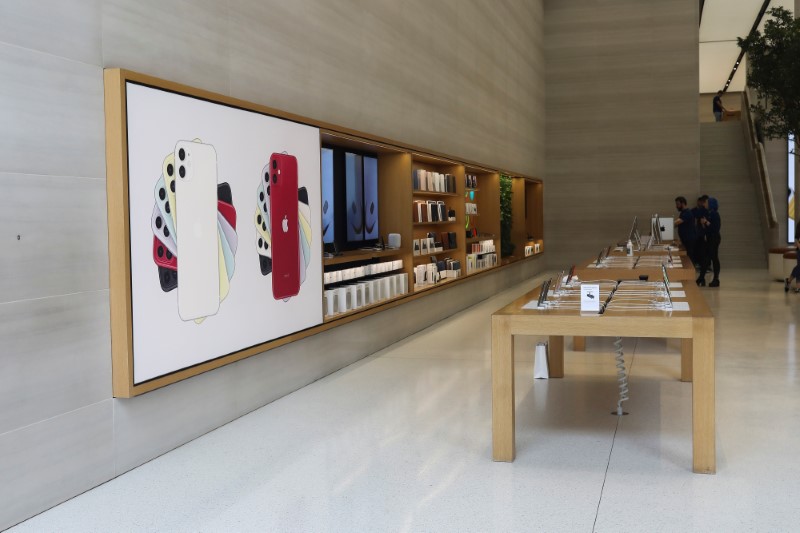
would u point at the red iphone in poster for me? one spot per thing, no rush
(283, 219)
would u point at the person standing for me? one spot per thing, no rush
(712, 224)
(686, 227)
(719, 109)
(700, 211)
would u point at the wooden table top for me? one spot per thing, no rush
(658, 249)
(613, 322)
(617, 267)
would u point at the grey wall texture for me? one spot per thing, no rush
(457, 77)
(622, 134)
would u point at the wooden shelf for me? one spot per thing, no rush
(353, 142)
(360, 255)
(416, 192)
(481, 270)
(433, 160)
(435, 223)
(443, 252)
(368, 277)
(471, 190)
(418, 289)
(472, 214)
(515, 258)
(338, 316)
(480, 238)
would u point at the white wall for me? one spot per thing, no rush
(456, 77)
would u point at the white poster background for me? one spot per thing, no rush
(244, 142)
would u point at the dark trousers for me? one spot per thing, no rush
(700, 251)
(711, 256)
(691, 250)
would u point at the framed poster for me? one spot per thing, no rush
(222, 221)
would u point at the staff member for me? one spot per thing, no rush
(700, 212)
(686, 228)
(719, 109)
(712, 224)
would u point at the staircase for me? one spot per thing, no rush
(725, 175)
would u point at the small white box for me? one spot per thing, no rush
(541, 367)
(341, 299)
(330, 302)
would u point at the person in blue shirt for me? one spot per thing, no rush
(686, 228)
(712, 223)
(700, 211)
(719, 109)
(701, 208)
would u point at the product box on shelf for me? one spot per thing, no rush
(349, 274)
(483, 247)
(429, 181)
(478, 262)
(352, 296)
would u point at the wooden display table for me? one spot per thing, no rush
(694, 327)
(659, 249)
(685, 272)
(644, 265)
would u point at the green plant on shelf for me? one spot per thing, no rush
(506, 192)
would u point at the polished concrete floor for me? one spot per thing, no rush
(401, 442)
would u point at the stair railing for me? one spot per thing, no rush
(757, 159)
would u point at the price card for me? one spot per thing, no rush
(590, 297)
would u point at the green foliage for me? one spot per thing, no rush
(506, 246)
(774, 73)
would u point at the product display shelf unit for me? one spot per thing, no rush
(527, 227)
(396, 164)
(487, 222)
(453, 201)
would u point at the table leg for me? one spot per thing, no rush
(686, 360)
(503, 447)
(579, 344)
(703, 402)
(556, 345)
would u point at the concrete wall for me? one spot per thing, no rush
(461, 78)
(622, 134)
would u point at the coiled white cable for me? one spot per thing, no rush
(622, 376)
